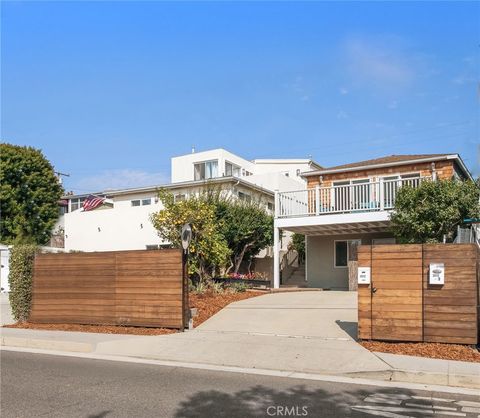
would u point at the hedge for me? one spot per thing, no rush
(20, 278)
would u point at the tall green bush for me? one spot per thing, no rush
(435, 209)
(20, 278)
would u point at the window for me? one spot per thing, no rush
(298, 172)
(179, 197)
(244, 196)
(206, 170)
(76, 203)
(270, 206)
(232, 169)
(146, 202)
(345, 251)
(135, 202)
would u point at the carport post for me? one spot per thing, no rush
(276, 257)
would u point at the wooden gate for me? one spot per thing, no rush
(400, 305)
(396, 290)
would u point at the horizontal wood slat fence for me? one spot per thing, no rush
(135, 288)
(399, 304)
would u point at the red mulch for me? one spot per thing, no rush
(432, 350)
(208, 304)
(103, 329)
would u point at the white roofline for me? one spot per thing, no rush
(391, 164)
(179, 185)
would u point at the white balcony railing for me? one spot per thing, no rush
(361, 197)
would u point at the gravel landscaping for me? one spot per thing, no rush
(431, 350)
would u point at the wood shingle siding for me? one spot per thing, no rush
(139, 288)
(444, 170)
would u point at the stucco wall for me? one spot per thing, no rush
(320, 263)
(183, 166)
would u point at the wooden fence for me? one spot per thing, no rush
(399, 304)
(138, 288)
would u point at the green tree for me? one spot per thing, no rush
(434, 209)
(29, 194)
(208, 250)
(298, 244)
(247, 228)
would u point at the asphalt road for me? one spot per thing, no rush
(35, 385)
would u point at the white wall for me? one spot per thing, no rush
(5, 268)
(121, 228)
(182, 166)
(127, 227)
(283, 166)
(276, 181)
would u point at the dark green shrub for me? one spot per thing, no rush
(22, 257)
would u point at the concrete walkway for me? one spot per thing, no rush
(300, 332)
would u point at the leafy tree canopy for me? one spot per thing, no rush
(208, 250)
(225, 232)
(434, 209)
(247, 228)
(29, 194)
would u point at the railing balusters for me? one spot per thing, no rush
(378, 195)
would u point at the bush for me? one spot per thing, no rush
(435, 209)
(20, 278)
(238, 287)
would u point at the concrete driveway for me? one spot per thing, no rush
(329, 315)
(306, 331)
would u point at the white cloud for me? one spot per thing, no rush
(383, 63)
(343, 91)
(120, 179)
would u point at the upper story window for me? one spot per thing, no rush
(205, 170)
(232, 169)
(141, 202)
(76, 203)
(179, 197)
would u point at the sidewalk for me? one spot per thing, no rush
(255, 351)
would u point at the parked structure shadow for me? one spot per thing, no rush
(260, 401)
(351, 328)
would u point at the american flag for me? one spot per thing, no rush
(91, 202)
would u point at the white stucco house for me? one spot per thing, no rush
(123, 221)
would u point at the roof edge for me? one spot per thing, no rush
(392, 164)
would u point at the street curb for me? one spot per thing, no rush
(359, 378)
(68, 346)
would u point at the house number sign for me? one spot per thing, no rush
(436, 273)
(363, 275)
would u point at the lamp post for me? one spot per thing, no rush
(186, 236)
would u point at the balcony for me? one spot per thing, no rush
(346, 199)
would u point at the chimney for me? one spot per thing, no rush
(193, 149)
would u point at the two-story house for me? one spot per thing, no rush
(123, 221)
(344, 206)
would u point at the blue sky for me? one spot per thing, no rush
(111, 90)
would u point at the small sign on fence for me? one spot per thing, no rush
(364, 275)
(437, 273)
